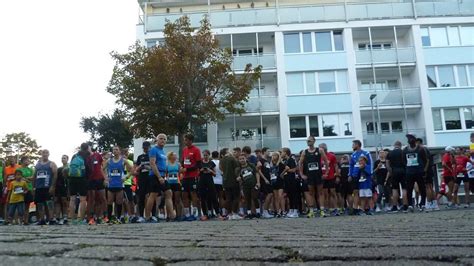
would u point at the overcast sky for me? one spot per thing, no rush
(55, 65)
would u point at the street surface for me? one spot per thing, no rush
(438, 238)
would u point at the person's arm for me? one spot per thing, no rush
(389, 170)
(292, 167)
(212, 170)
(257, 175)
(237, 173)
(337, 172)
(325, 161)
(33, 179)
(52, 188)
(259, 170)
(351, 167)
(301, 166)
(129, 169)
(426, 160)
(154, 168)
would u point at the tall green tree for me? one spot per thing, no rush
(18, 145)
(108, 130)
(186, 81)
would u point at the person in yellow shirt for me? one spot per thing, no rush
(17, 190)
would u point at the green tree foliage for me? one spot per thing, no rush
(186, 81)
(108, 130)
(19, 144)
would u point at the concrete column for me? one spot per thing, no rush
(281, 77)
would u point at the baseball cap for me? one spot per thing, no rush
(449, 148)
(410, 135)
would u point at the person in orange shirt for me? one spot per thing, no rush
(8, 176)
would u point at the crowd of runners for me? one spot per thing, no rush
(99, 188)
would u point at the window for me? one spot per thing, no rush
(294, 83)
(379, 85)
(370, 127)
(438, 36)
(170, 140)
(342, 81)
(327, 82)
(323, 41)
(345, 124)
(247, 51)
(397, 126)
(310, 82)
(453, 36)
(375, 46)
(437, 121)
(467, 35)
(338, 41)
(297, 127)
(431, 75)
(469, 117)
(292, 42)
(446, 76)
(307, 43)
(313, 126)
(425, 37)
(200, 133)
(330, 125)
(452, 119)
(151, 43)
(462, 76)
(385, 126)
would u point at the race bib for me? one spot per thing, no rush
(18, 190)
(115, 173)
(313, 166)
(412, 159)
(10, 177)
(173, 179)
(267, 165)
(187, 162)
(461, 175)
(383, 166)
(362, 179)
(273, 177)
(42, 175)
(247, 173)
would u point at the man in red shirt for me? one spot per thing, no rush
(95, 187)
(461, 176)
(329, 181)
(191, 163)
(449, 165)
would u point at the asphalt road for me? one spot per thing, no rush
(438, 238)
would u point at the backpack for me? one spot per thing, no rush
(77, 167)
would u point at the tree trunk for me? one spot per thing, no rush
(180, 145)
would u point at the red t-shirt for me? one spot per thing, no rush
(191, 157)
(448, 162)
(95, 163)
(332, 161)
(461, 163)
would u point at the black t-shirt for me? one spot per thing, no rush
(396, 159)
(265, 168)
(381, 173)
(209, 165)
(344, 171)
(291, 163)
(414, 159)
(60, 182)
(143, 161)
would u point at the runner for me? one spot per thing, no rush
(347, 188)
(227, 165)
(97, 203)
(247, 151)
(417, 164)
(312, 175)
(461, 177)
(449, 171)
(354, 170)
(207, 190)
(27, 173)
(277, 173)
(77, 177)
(293, 186)
(329, 182)
(364, 179)
(432, 203)
(8, 176)
(142, 171)
(380, 172)
(2, 203)
(396, 172)
(172, 176)
(129, 199)
(263, 168)
(44, 180)
(191, 163)
(60, 197)
(250, 180)
(218, 183)
(16, 197)
(156, 178)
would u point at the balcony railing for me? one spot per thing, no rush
(392, 97)
(389, 138)
(318, 13)
(387, 56)
(274, 143)
(267, 61)
(262, 104)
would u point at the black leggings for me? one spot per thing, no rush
(250, 194)
(141, 195)
(232, 198)
(421, 186)
(208, 194)
(293, 192)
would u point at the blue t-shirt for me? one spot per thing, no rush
(364, 179)
(160, 156)
(354, 163)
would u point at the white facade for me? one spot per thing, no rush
(322, 62)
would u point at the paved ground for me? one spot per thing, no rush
(448, 238)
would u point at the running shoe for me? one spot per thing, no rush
(52, 222)
(154, 218)
(106, 220)
(267, 215)
(310, 214)
(377, 210)
(204, 218)
(411, 209)
(141, 220)
(394, 209)
(335, 212)
(322, 214)
(236, 217)
(61, 222)
(467, 206)
(42, 222)
(92, 221)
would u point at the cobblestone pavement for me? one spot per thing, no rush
(437, 238)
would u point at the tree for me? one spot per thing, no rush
(108, 130)
(18, 145)
(186, 81)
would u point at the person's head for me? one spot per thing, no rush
(188, 139)
(242, 159)
(345, 158)
(459, 151)
(146, 146)
(172, 157)
(44, 155)
(382, 154)
(397, 144)
(258, 153)
(161, 140)
(64, 159)
(411, 139)
(25, 161)
(116, 151)
(419, 141)
(311, 140)
(215, 155)
(206, 154)
(266, 152)
(356, 145)
(223, 152)
(449, 149)
(276, 157)
(363, 161)
(11, 160)
(18, 175)
(285, 153)
(246, 150)
(84, 150)
(236, 152)
(124, 153)
(324, 147)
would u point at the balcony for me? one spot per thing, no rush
(388, 138)
(387, 56)
(262, 104)
(274, 143)
(392, 97)
(267, 61)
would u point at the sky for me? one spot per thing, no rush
(55, 65)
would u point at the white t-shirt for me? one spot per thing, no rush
(218, 176)
(470, 170)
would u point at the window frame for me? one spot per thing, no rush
(339, 89)
(341, 131)
(454, 69)
(443, 119)
(313, 41)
